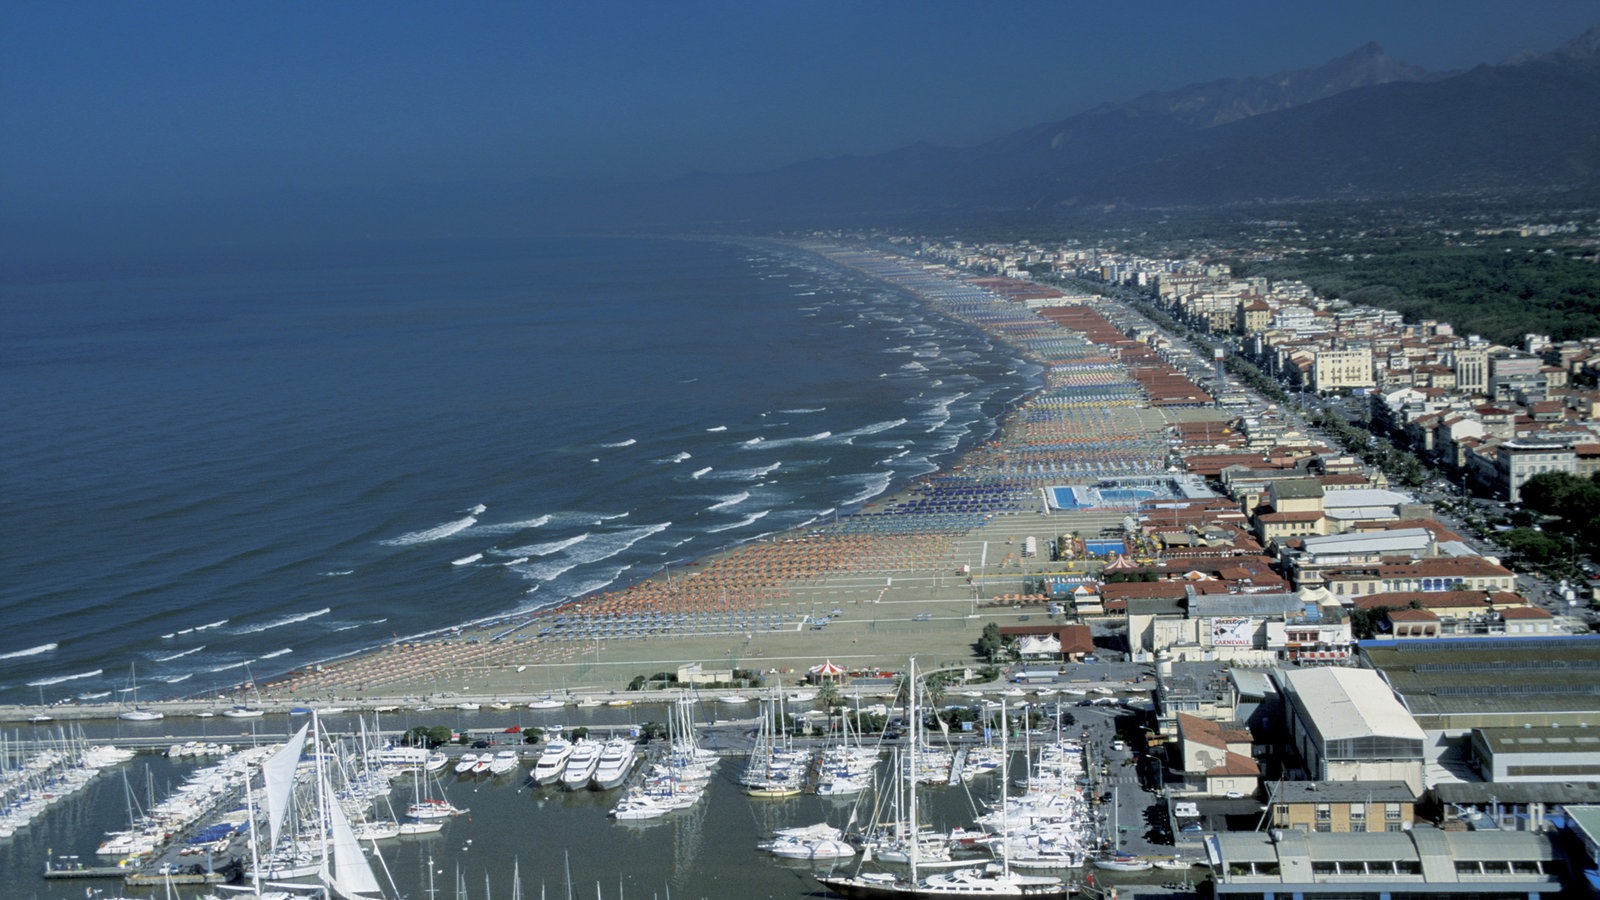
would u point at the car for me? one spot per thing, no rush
(1234, 795)
(1192, 828)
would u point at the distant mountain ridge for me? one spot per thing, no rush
(1363, 124)
(1232, 99)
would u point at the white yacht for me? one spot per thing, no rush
(617, 757)
(581, 764)
(553, 761)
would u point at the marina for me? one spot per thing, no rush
(487, 824)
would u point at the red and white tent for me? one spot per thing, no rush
(825, 671)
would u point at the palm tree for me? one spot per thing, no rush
(830, 696)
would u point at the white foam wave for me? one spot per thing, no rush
(31, 651)
(596, 584)
(598, 547)
(513, 527)
(286, 620)
(751, 474)
(177, 678)
(180, 654)
(801, 412)
(517, 562)
(209, 625)
(478, 510)
(437, 532)
(787, 442)
(466, 560)
(730, 500)
(347, 627)
(874, 484)
(700, 472)
(45, 682)
(874, 428)
(276, 653)
(237, 665)
(338, 573)
(627, 443)
(718, 428)
(675, 458)
(747, 520)
(547, 571)
(550, 547)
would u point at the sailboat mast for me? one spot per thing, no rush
(911, 779)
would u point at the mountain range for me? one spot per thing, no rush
(1361, 126)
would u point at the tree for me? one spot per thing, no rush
(429, 736)
(830, 696)
(989, 642)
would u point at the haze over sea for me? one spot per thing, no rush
(233, 470)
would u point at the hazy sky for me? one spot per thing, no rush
(110, 104)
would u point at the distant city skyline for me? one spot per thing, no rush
(111, 107)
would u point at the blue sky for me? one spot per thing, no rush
(115, 104)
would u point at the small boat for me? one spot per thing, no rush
(244, 712)
(546, 702)
(483, 764)
(732, 698)
(504, 761)
(433, 809)
(1176, 863)
(468, 706)
(465, 763)
(425, 826)
(435, 762)
(1123, 862)
(135, 712)
(380, 830)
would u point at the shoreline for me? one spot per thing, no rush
(866, 590)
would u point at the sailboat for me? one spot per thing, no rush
(988, 881)
(341, 868)
(135, 712)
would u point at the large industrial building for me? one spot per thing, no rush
(1346, 725)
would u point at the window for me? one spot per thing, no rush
(1391, 811)
(1324, 812)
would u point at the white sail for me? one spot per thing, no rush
(349, 875)
(278, 772)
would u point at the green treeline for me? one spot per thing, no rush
(1502, 289)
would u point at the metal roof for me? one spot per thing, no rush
(1351, 703)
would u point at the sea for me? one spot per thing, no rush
(217, 470)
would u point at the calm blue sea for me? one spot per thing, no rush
(230, 469)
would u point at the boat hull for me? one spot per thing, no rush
(863, 888)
